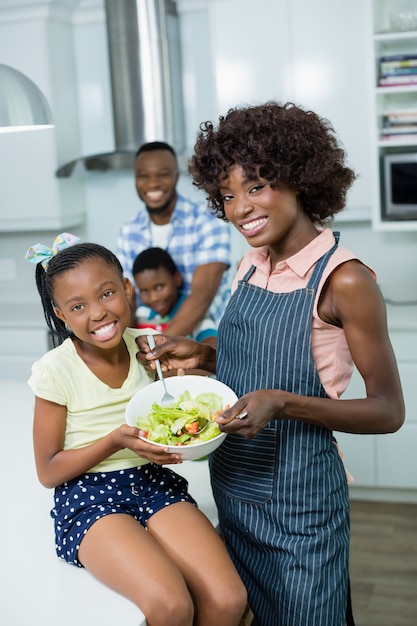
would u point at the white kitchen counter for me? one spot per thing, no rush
(37, 587)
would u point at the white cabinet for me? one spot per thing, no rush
(388, 462)
(359, 450)
(396, 461)
(331, 64)
(395, 93)
(289, 51)
(250, 52)
(31, 197)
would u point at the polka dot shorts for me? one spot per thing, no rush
(139, 492)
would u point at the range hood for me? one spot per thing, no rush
(146, 82)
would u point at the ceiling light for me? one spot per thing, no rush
(22, 105)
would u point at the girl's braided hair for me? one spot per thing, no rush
(286, 145)
(66, 260)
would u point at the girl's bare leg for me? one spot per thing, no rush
(123, 555)
(190, 540)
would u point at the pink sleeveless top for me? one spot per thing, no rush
(330, 350)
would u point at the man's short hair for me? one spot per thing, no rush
(155, 145)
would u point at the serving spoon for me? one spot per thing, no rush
(166, 397)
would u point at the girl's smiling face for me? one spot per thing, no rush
(265, 215)
(92, 299)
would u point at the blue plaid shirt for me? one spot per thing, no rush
(197, 238)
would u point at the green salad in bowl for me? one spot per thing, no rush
(179, 423)
(198, 399)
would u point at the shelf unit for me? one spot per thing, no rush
(388, 42)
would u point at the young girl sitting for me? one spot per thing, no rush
(117, 511)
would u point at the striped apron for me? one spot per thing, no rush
(282, 497)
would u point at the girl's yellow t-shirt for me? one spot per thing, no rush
(93, 408)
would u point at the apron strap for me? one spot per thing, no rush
(249, 273)
(315, 278)
(314, 281)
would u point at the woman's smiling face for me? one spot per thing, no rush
(92, 299)
(263, 214)
(266, 215)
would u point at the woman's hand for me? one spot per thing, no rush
(252, 412)
(128, 437)
(176, 353)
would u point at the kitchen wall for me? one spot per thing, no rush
(234, 51)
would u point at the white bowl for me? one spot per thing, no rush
(141, 404)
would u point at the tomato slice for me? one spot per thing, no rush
(191, 428)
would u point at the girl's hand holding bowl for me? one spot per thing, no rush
(132, 438)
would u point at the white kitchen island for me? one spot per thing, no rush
(37, 588)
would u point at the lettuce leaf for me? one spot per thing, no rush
(166, 424)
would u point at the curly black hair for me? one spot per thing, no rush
(283, 143)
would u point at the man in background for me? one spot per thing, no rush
(198, 241)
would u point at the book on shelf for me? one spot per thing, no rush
(389, 66)
(397, 81)
(398, 57)
(404, 116)
(400, 138)
(401, 71)
(400, 129)
(399, 122)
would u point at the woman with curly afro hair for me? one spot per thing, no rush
(303, 312)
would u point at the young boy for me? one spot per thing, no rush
(159, 282)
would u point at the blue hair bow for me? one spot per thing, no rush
(39, 253)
